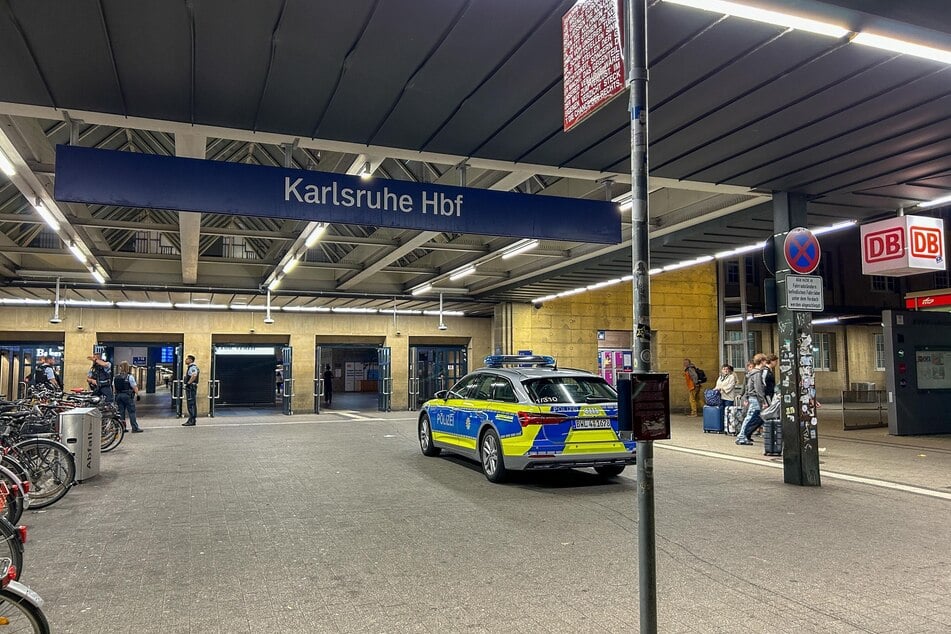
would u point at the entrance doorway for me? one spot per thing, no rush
(250, 379)
(355, 377)
(18, 361)
(156, 362)
(433, 368)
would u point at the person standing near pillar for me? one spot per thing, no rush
(328, 385)
(191, 391)
(694, 388)
(756, 397)
(99, 377)
(126, 389)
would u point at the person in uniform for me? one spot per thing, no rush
(191, 391)
(126, 389)
(44, 376)
(100, 377)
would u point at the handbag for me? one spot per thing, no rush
(771, 411)
(712, 397)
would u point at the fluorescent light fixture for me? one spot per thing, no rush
(88, 303)
(22, 301)
(762, 15)
(247, 307)
(836, 227)
(315, 235)
(934, 203)
(422, 289)
(46, 215)
(348, 309)
(825, 320)
(739, 250)
(521, 248)
(446, 313)
(539, 300)
(573, 291)
(306, 309)
(144, 304)
(291, 265)
(365, 173)
(654, 271)
(686, 263)
(406, 311)
(628, 278)
(251, 351)
(5, 165)
(201, 306)
(99, 277)
(901, 46)
(274, 284)
(458, 275)
(77, 252)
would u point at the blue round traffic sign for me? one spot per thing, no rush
(802, 251)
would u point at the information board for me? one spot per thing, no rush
(593, 63)
(933, 369)
(804, 292)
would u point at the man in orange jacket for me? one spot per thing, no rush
(694, 388)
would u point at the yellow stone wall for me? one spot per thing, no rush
(683, 316)
(197, 330)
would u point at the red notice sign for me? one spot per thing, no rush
(593, 64)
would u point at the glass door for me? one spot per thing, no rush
(318, 381)
(385, 388)
(178, 384)
(214, 385)
(287, 392)
(434, 368)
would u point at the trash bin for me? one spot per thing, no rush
(81, 431)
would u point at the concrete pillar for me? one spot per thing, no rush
(198, 344)
(77, 345)
(304, 372)
(399, 369)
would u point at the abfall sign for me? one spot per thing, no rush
(901, 246)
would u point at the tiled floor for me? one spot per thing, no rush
(336, 523)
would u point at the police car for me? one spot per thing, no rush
(521, 413)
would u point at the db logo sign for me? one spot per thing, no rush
(926, 243)
(885, 245)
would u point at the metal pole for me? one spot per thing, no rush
(636, 11)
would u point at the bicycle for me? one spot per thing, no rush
(21, 609)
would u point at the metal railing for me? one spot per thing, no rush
(864, 409)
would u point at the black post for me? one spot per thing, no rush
(636, 11)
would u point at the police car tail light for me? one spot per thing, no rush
(546, 418)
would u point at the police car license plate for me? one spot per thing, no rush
(592, 423)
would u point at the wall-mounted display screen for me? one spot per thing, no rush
(933, 368)
(168, 354)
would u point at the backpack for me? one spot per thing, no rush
(701, 376)
(712, 397)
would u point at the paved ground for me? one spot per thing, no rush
(336, 523)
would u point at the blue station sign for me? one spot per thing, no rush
(127, 179)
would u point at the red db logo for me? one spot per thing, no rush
(926, 243)
(885, 245)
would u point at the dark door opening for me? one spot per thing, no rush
(157, 368)
(18, 360)
(244, 377)
(434, 368)
(358, 379)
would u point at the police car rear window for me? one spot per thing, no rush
(570, 389)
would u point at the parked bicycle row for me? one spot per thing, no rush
(37, 470)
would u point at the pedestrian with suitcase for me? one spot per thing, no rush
(726, 385)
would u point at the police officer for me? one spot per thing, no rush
(191, 391)
(100, 377)
(126, 389)
(44, 376)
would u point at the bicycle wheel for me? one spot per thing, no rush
(113, 431)
(11, 546)
(14, 502)
(51, 467)
(18, 614)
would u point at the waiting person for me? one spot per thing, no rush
(191, 391)
(694, 388)
(769, 382)
(726, 384)
(126, 389)
(756, 397)
(99, 377)
(328, 385)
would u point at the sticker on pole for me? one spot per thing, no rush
(801, 249)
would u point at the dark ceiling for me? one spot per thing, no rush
(860, 130)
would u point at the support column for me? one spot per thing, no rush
(399, 370)
(198, 345)
(797, 370)
(189, 223)
(304, 371)
(76, 347)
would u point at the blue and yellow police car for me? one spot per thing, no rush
(521, 413)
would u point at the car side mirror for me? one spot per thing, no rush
(443, 394)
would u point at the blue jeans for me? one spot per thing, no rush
(126, 403)
(752, 420)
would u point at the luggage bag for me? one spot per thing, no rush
(732, 419)
(772, 438)
(711, 420)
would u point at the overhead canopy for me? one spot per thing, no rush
(454, 92)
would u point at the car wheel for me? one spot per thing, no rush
(426, 437)
(610, 471)
(490, 453)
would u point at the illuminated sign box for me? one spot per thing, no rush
(906, 245)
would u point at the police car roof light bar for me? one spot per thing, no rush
(498, 360)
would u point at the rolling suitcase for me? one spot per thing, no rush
(732, 419)
(711, 420)
(772, 438)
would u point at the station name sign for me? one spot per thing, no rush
(127, 179)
